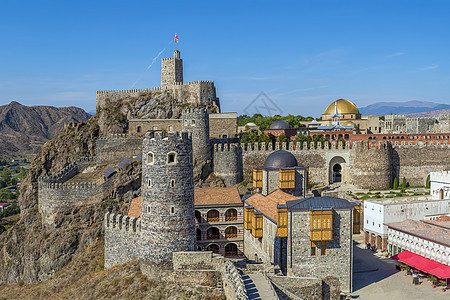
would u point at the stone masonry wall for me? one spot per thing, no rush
(339, 253)
(121, 239)
(117, 148)
(415, 162)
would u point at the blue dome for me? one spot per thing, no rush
(280, 124)
(280, 159)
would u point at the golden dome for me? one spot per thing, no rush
(348, 123)
(343, 107)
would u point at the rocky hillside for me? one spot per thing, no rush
(24, 129)
(65, 259)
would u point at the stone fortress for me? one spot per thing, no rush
(167, 221)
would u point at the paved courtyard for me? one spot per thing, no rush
(375, 277)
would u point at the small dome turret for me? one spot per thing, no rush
(176, 54)
(280, 159)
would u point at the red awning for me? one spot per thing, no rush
(424, 264)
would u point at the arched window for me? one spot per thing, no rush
(231, 232)
(231, 215)
(213, 247)
(139, 129)
(212, 233)
(150, 158)
(172, 183)
(231, 250)
(213, 216)
(171, 158)
(198, 216)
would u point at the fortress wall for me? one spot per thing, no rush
(110, 98)
(227, 163)
(121, 239)
(222, 125)
(114, 149)
(148, 124)
(69, 171)
(54, 196)
(415, 162)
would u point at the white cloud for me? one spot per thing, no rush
(431, 67)
(399, 53)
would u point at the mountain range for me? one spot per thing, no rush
(24, 129)
(409, 107)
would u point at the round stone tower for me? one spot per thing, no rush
(167, 207)
(372, 165)
(196, 123)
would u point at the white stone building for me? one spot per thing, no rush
(440, 185)
(381, 211)
(430, 239)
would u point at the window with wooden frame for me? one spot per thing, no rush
(287, 178)
(282, 222)
(257, 178)
(321, 225)
(356, 219)
(257, 224)
(313, 249)
(323, 248)
(248, 217)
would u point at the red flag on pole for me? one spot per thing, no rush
(176, 38)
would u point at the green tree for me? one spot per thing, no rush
(427, 183)
(282, 138)
(404, 183)
(395, 183)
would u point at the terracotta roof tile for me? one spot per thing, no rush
(268, 204)
(135, 208)
(217, 195)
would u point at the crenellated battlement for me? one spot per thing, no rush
(122, 223)
(171, 136)
(226, 147)
(68, 186)
(69, 171)
(132, 91)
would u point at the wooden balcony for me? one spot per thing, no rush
(231, 235)
(212, 220)
(232, 218)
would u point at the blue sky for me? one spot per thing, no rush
(302, 54)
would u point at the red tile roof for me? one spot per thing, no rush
(217, 195)
(268, 204)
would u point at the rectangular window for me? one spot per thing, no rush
(313, 249)
(287, 179)
(257, 178)
(321, 225)
(323, 248)
(155, 127)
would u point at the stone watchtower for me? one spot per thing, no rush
(196, 123)
(171, 71)
(167, 209)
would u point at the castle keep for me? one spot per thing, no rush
(197, 93)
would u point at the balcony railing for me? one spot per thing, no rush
(213, 237)
(231, 253)
(231, 218)
(231, 235)
(211, 220)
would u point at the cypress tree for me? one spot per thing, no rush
(395, 183)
